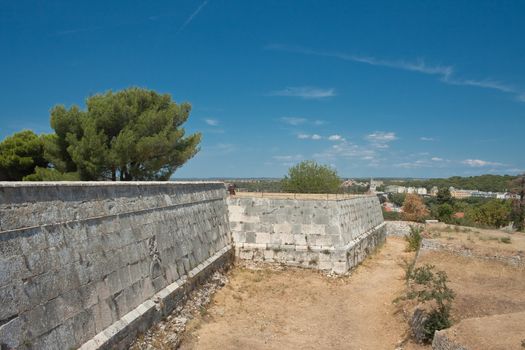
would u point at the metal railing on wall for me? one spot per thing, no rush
(299, 196)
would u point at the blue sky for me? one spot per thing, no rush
(372, 88)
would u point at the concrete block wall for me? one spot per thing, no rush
(76, 259)
(326, 235)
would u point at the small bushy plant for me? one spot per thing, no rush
(414, 238)
(505, 240)
(430, 286)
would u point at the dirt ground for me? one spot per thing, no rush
(481, 241)
(303, 309)
(275, 307)
(482, 287)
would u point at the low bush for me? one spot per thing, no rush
(391, 215)
(414, 238)
(428, 286)
(505, 240)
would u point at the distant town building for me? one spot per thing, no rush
(459, 194)
(455, 193)
(403, 189)
(374, 184)
(422, 191)
(481, 194)
(392, 189)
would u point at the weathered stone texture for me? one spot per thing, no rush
(400, 228)
(75, 258)
(326, 235)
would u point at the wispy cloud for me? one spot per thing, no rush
(192, 16)
(288, 160)
(305, 92)
(78, 30)
(346, 150)
(309, 137)
(480, 163)
(335, 138)
(288, 157)
(445, 73)
(296, 121)
(381, 139)
(218, 150)
(293, 120)
(423, 138)
(211, 122)
(434, 162)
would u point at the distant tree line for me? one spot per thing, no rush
(487, 183)
(133, 134)
(472, 211)
(266, 185)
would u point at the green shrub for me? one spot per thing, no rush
(414, 238)
(391, 215)
(430, 286)
(505, 240)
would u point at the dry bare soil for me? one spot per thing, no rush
(274, 307)
(490, 294)
(291, 308)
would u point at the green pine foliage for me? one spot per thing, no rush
(133, 134)
(20, 154)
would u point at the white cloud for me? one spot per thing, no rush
(445, 73)
(437, 159)
(381, 136)
(479, 163)
(380, 139)
(212, 122)
(346, 150)
(309, 137)
(306, 92)
(288, 158)
(335, 138)
(293, 120)
(423, 138)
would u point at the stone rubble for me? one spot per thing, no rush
(168, 333)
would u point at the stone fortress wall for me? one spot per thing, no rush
(332, 235)
(93, 263)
